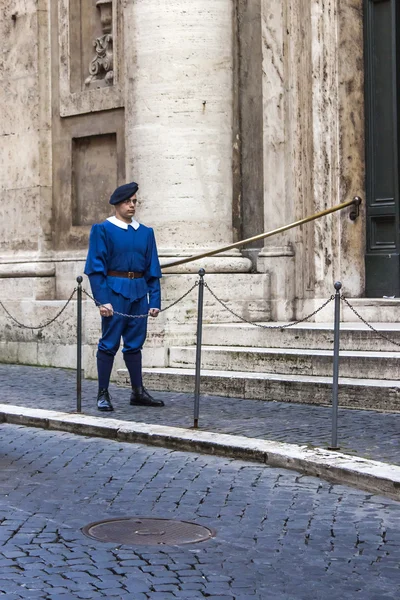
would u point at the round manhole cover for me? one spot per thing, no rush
(148, 532)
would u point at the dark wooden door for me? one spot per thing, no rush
(382, 44)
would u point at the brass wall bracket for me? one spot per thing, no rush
(355, 211)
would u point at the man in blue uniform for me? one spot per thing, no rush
(124, 273)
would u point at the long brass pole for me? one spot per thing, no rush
(355, 201)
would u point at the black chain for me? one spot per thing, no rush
(378, 333)
(114, 312)
(181, 298)
(44, 324)
(143, 316)
(268, 326)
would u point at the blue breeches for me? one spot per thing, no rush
(132, 331)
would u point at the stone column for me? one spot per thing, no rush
(179, 123)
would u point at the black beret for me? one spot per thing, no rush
(123, 192)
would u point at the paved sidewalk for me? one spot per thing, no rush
(369, 434)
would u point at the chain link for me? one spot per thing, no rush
(195, 285)
(268, 326)
(143, 316)
(44, 324)
(378, 333)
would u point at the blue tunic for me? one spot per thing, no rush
(114, 248)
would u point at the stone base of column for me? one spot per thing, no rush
(373, 310)
(54, 275)
(27, 280)
(279, 263)
(226, 262)
(48, 276)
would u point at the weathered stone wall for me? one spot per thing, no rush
(25, 176)
(25, 152)
(164, 118)
(235, 116)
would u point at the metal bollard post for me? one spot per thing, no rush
(79, 346)
(198, 349)
(335, 383)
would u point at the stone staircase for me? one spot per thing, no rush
(288, 365)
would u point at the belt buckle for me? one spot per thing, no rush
(131, 274)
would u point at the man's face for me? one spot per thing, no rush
(126, 210)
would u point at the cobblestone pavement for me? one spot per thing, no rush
(365, 433)
(279, 535)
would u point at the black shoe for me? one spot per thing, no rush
(140, 397)
(104, 401)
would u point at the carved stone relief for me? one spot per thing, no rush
(90, 81)
(101, 67)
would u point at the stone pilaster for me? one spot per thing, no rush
(276, 258)
(338, 142)
(313, 148)
(351, 143)
(324, 56)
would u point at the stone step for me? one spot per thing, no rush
(353, 393)
(319, 336)
(373, 310)
(382, 365)
(382, 310)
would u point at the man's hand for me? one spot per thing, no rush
(106, 310)
(153, 312)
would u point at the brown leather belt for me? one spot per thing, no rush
(126, 274)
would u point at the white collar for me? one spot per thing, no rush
(123, 225)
